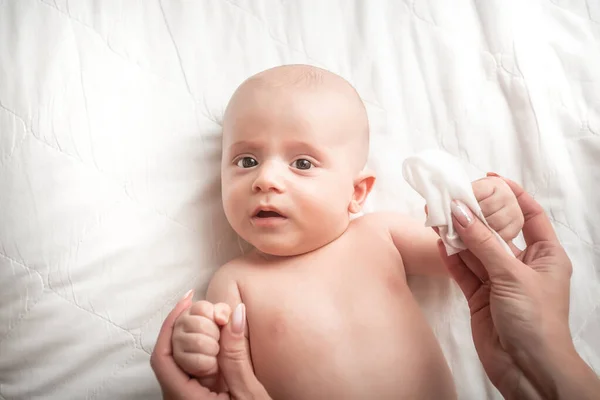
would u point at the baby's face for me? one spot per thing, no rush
(288, 167)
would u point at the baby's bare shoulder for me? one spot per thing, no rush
(225, 279)
(232, 269)
(381, 220)
(238, 268)
(371, 228)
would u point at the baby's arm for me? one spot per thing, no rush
(223, 287)
(418, 244)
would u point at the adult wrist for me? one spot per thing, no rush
(558, 372)
(576, 380)
(542, 363)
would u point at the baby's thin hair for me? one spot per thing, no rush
(299, 75)
(308, 77)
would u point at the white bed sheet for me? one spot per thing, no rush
(109, 156)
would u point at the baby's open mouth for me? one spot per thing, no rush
(269, 214)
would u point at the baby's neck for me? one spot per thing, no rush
(266, 256)
(262, 257)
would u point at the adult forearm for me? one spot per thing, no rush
(576, 380)
(560, 373)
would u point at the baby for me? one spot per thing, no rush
(329, 312)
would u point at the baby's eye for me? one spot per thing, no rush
(247, 162)
(302, 163)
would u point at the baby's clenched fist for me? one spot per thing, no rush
(499, 206)
(196, 340)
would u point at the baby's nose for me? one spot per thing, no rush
(269, 178)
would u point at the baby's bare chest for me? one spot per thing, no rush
(325, 289)
(335, 315)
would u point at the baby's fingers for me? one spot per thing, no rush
(197, 324)
(203, 308)
(219, 313)
(198, 365)
(485, 188)
(198, 343)
(507, 222)
(222, 313)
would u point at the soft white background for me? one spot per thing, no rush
(109, 155)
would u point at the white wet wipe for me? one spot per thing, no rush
(439, 178)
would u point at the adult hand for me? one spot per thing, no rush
(234, 361)
(519, 305)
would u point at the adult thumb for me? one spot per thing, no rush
(234, 359)
(480, 240)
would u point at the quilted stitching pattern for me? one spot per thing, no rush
(109, 156)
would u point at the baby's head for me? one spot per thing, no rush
(295, 146)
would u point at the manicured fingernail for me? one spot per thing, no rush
(461, 212)
(493, 174)
(239, 319)
(188, 295)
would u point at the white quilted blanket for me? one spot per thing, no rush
(110, 139)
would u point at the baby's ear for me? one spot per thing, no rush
(362, 187)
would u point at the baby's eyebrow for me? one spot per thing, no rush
(244, 145)
(295, 146)
(309, 148)
(303, 145)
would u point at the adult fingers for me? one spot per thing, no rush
(168, 374)
(515, 250)
(475, 265)
(473, 262)
(479, 239)
(234, 359)
(537, 226)
(467, 281)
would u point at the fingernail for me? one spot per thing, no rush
(188, 295)
(493, 174)
(239, 319)
(461, 212)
